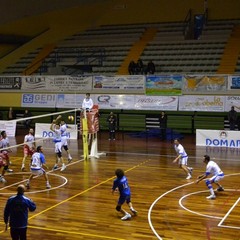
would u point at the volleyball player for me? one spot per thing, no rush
(215, 170)
(4, 143)
(58, 145)
(182, 158)
(121, 184)
(37, 164)
(2, 164)
(63, 128)
(29, 147)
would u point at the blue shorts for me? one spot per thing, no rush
(124, 198)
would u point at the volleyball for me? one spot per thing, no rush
(71, 118)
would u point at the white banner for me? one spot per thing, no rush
(42, 130)
(156, 102)
(202, 103)
(70, 100)
(232, 101)
(56, 83)
(217, 138)
(38, 100)
(115, 101)
(9, 127)
(137, 102)
(128, 82)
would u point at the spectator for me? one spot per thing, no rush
(140, 66)
(16, 213)
(150, 67)
(11, 114)
(132, 68)
(232, 118)
(27, 123)
(163, 125)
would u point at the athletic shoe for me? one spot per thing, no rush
(22, 168)
(9, 170)
(133, 211)
(55, 167)
(48, 186)
(63, 167)
(126, 217)
(188, 177)
(69, 159)
(3, 180)
(211, 197)
(220, 189)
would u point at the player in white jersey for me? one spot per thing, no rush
(182, 158)
(213, 169)
(29, 147)
(37, 164)
(63, 128)
(4, 143)
(58, 145)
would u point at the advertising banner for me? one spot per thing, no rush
(126, 83)
(70, 100)
(38, 100)
(156, 102)
(13, 83)
(42, 130)
(217, 138)
(56, 83)
(164, 85)
(233, 82)
(115, 101)
(202, 103)
(9, 127)
(232, 101)
(202, 83)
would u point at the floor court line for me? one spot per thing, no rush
(76, 195)
(75, 233)
(171, 190)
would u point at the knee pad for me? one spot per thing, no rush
(118, 208)
(5, 167)
(208, 183)
(59, 154)
(65, 148)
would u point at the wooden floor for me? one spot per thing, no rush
(80, 204)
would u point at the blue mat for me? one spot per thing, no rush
(156, 133)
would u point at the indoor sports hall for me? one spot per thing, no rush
(150, 87)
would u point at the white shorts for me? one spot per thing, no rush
(37, 172)
(216, 178)
(64, 141)
(183, 160)
(58, 147)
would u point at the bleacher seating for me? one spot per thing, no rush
(170, 52)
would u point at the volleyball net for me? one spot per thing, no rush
(79, 124)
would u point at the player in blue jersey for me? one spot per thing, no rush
(37, 164)
(120, 184)
(214, 169)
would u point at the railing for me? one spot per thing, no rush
(187, 24)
